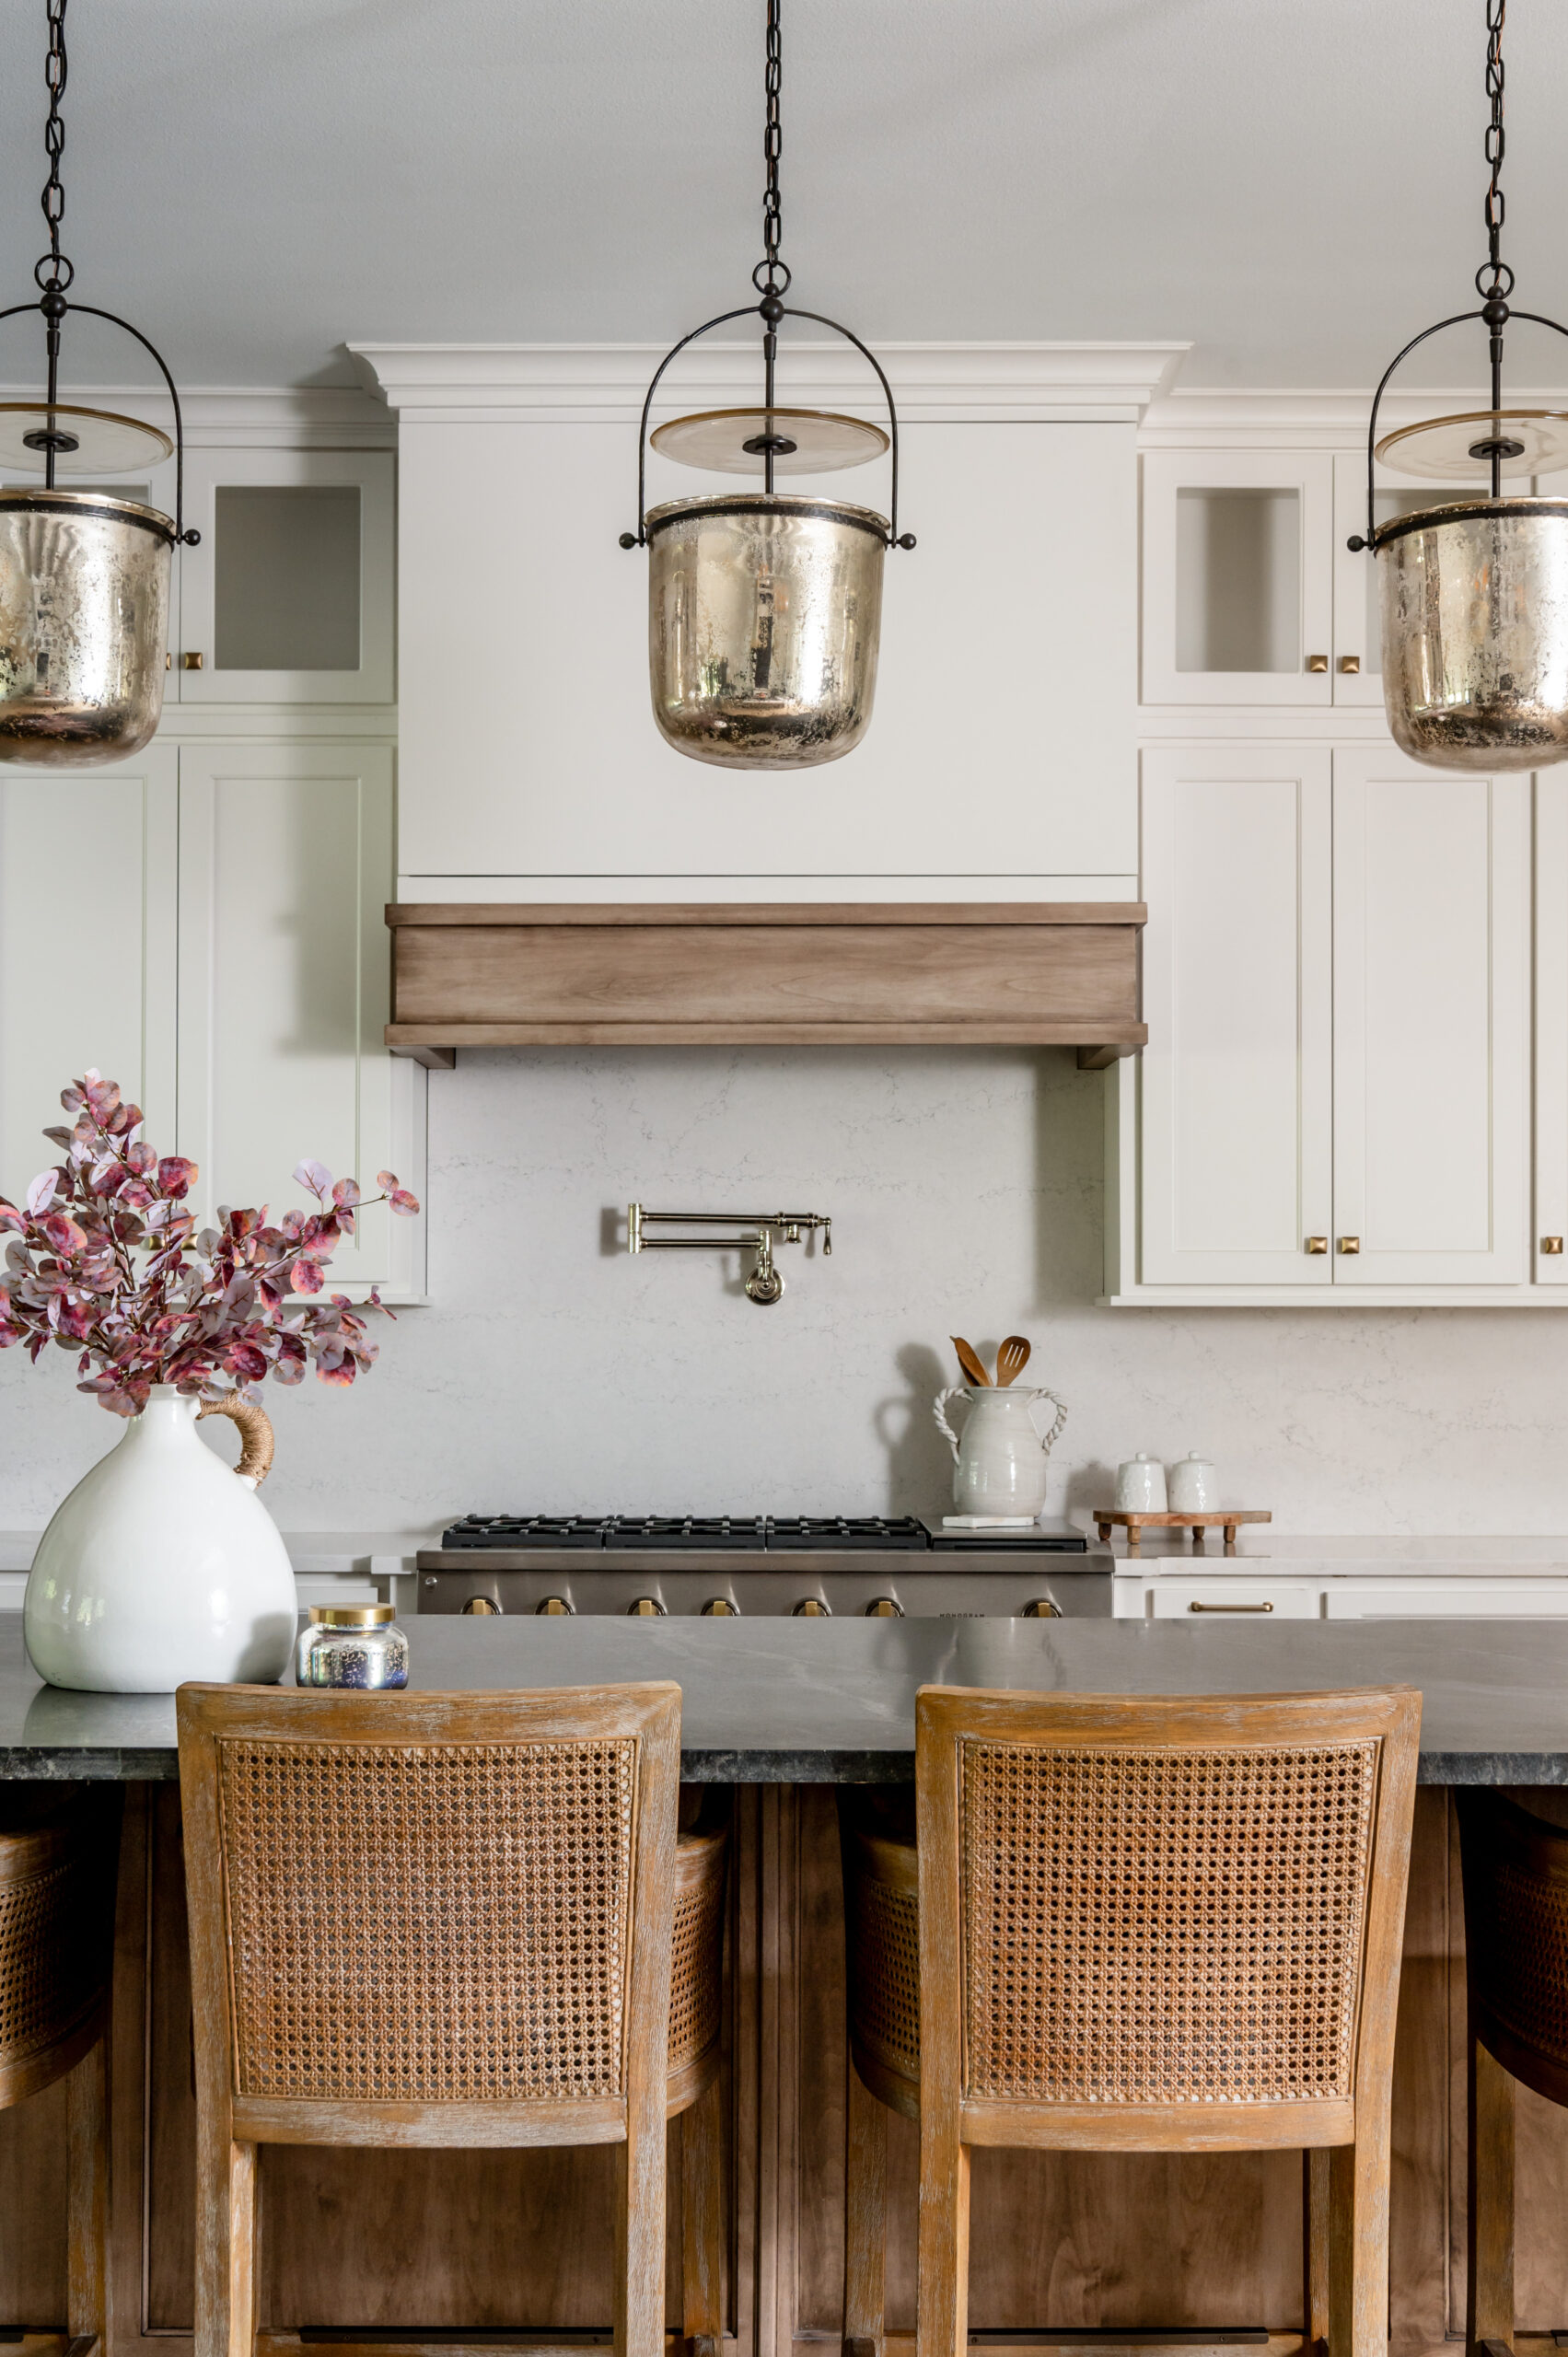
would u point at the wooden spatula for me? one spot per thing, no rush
(970, 1361)
(1011, 1359)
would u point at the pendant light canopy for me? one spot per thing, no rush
(84, 576)
(764, 607)
(1474, 590)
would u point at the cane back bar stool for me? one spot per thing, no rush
(59, 1846)
(1516, 1874)
(1129, 1925)
(463, 1919)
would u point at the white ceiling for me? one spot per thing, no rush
(1293, 184)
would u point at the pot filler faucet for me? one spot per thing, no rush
(757, 1231)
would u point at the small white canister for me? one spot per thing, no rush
(1140, 1485)
(1194, 1486)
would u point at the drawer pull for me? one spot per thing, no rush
(1196, 1607)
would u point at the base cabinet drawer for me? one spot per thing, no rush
(1221, 1599)
(1534, 1599)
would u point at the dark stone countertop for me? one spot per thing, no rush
(788, 1701)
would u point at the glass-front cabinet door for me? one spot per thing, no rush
(1237, 577)
(287, 598)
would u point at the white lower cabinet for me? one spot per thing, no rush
(1187, 1599)
(1334, 1102)
(1142, 1593)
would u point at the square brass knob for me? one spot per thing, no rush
(1551, 1244)
(190, 662)
(1317, 662)
(1349, 1244)
(1317, 1244)
(1350, 664)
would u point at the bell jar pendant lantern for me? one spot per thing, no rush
(1474, 591)
(764, 607)
(84, 576)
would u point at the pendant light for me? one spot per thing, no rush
(84, 576)
(1474, 592)
(764, 607)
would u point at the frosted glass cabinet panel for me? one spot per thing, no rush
(1235, 1120)
(287, 598)
(1430, 1024)
(1237, 577)
(87, 867)
(285, 864)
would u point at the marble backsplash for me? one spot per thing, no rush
(551, 1372)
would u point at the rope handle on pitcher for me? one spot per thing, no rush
(255, 1432)
(960, 1391)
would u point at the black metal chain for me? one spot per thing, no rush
(1494, 271)
(771, 275)
(53, 268)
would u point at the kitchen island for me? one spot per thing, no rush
(424, 2250)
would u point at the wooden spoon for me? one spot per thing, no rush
(1011, 1359)
(969, 1360)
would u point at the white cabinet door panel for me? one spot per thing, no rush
(1001, 739)
(1237, 577)
(1234, 1084)
(285, 862)
(1552, 1029)
(87, 867)
(1447, 1600)
(1430, 1024)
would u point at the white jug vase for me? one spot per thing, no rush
(999, 1458)
(163, 1565)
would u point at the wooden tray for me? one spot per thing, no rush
(1227, 1519)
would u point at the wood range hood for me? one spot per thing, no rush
(1027, 974)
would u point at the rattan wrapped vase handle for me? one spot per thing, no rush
(255, 1431)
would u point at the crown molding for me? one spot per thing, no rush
(552, 383)
(305, 417)
(1196, 418)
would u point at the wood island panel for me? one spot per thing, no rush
(407, 2243)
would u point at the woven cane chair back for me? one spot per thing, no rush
(1162, 1911)
(58, 1854)
(1516, 1872)
(439, 1902)
(696, 1963)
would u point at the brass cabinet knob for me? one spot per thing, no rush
(190, 662)
(883, 1608)
(1350, 664)
(811, 1608)
(553, 1605)
(168, 662)
(1317, 1244)
(484, 1606)
(646, 1608)
(1040, 1608)
(1551, 1244)
(1348, 1243)
(718, 1608)
(1317, 662)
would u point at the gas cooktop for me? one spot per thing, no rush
(752, 1534)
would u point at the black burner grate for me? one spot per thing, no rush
(479, 1530)
(689, 1530)
(798, 1533)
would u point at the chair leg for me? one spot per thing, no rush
(639, 2237)
(866, 2221)
(1489, 2300)
(227, 2221)
(1315, 2172)
(701, 2222)
(942, 2308)
(86, 2164)
(1358, 2245)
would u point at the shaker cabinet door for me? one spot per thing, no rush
(88, 868)
(1430, 1024)
(1237, 577)
(285, 864)
(1550, 1239)
(1236, 1141)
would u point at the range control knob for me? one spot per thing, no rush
(811, 1608)
(481, 1604)
(883, 1608)
(719, 1608)
(1040, 1608)
(646, 1608)
(554, 1605)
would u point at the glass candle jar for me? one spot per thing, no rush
(357, 1645)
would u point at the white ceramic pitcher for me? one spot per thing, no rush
(999, 1458)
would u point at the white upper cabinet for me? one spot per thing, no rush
(1238, 580)
(1235, 1082)
(1550, 1235)
(1430, 1024)
(287, 598)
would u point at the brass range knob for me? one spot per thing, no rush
(646, 1607)
(1040, 1608)
(883, 1608)
(482, 1606)
(554, 1606)
(811, 1608)
(719, 1608)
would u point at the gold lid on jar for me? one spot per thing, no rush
(350, 1616)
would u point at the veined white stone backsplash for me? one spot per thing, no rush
(554, 1373)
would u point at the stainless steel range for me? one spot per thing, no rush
(722, 1566)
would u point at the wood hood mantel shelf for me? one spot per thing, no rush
(1027, 974)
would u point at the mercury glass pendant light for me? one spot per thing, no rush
(84, 576)
(764, 607)
(1474, 591)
